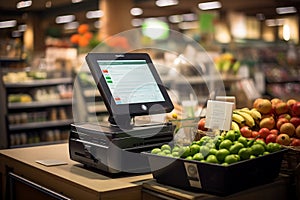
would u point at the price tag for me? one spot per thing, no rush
(219, 115)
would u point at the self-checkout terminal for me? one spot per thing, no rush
(129, 86)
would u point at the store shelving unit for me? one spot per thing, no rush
(34, 122)
(88, 105)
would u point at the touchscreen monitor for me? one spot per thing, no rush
(129, 84)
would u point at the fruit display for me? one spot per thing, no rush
(225, 149)
(273, 120)
(226, 62)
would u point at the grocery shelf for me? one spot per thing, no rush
(39, 104)
(35, 125)
(96, 107)
(92, 94)
(39, 83)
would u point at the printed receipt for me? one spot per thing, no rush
(219, 115)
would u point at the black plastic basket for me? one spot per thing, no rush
(214, 178)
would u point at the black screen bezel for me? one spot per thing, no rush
(127, 109)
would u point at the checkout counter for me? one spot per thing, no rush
(23, 178)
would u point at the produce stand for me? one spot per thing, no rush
(214, 178)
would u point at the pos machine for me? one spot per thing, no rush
(129, 86)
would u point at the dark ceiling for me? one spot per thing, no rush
(250, 7)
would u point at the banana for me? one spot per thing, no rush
(238, 119)
(235, 126)
(255, 114)
(246, 110)
(249, 121)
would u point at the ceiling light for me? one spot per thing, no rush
(175, 18)
(94, 14)
(189, 17)
(64, 19)
(163, 3)
(24, 4)
(71, 25)
(76, 1)
(286, 10)
(210, 5)
(8, 24)
(48, 4)
(136, 11)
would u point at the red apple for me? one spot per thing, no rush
(295, 121)
(271, 138)
(296, 108)
(246, 131)
(254, 134)
(201, 124)
(280, 122)
(274, 131)
(295, 142)
(283, 139)
(264, 132)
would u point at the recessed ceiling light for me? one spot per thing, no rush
(76, 1)
(163, 3)
(210, 5)
(48, 4)
(24, 4)
(286, 10)
(136, 11)
(64, 19)
(8, 24)
(94, 14)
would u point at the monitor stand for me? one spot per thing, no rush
(121, 121)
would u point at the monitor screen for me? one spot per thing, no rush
(130, 81)
(129, 84)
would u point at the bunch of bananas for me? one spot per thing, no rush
(245, 116)
(227, 62)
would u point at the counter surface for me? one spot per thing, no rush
(71, 179)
